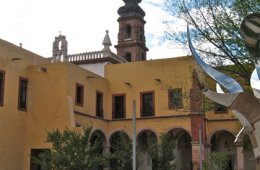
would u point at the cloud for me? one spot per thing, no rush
(155, 29)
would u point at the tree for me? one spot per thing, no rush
(71, 150)
(216, 161)
(215, 30)
(162, 153)
(120, 157)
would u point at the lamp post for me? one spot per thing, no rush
(134, 133)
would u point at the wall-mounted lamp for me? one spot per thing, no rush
(77, 124)
(127, 83)
(16, 58)
(42, 69)
(90, 77)
(158, 80)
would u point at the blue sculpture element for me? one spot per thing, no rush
(245, 106)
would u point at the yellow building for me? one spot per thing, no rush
(38, 95)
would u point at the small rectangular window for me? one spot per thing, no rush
(79, 96)
(175, 98)
(99, 104)
(118, 106)
(22, 96)
(147, 104)
(2, 83)
(220, 109)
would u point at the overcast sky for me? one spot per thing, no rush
(35, 23)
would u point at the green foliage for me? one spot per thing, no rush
(216, 161)
(71, 150)
(233, 71)
(215, 27)
(120, 157)
(247, 145)
(163, 153)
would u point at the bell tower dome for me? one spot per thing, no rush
(131, 37)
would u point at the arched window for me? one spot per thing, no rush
(128, 31)
(60, 45)
(143, 57)
(128, 57)
(141, 34)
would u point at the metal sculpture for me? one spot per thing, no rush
(245, 106)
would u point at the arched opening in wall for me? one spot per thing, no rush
(54, 58)
(248, 153)
(128, 57)
(128, 31)
(36, 154)
(183, 149)
(60, 45)
(143, 57)
(98, 140)
(120, 151)
(61, 57)
(223, 141)
(145, 139)
(141, 34)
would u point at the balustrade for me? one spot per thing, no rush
(85, 56)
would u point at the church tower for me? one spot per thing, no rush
(131, 38)
(59, 49)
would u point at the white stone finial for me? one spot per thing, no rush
(106, 42)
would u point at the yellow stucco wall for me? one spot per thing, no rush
(141, 76)
(51, 100)
(12, 121)
(173, 73)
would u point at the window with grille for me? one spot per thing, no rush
(175, 98)
(219, 109)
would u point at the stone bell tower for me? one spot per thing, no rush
(59, 49)
(131, 37)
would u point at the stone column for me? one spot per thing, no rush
(240, 157)
(196, 155)
(106, 150)
(197, 127)
(257, 163)
(197, 122)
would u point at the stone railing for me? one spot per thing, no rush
(85, 56)
(89, 56)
